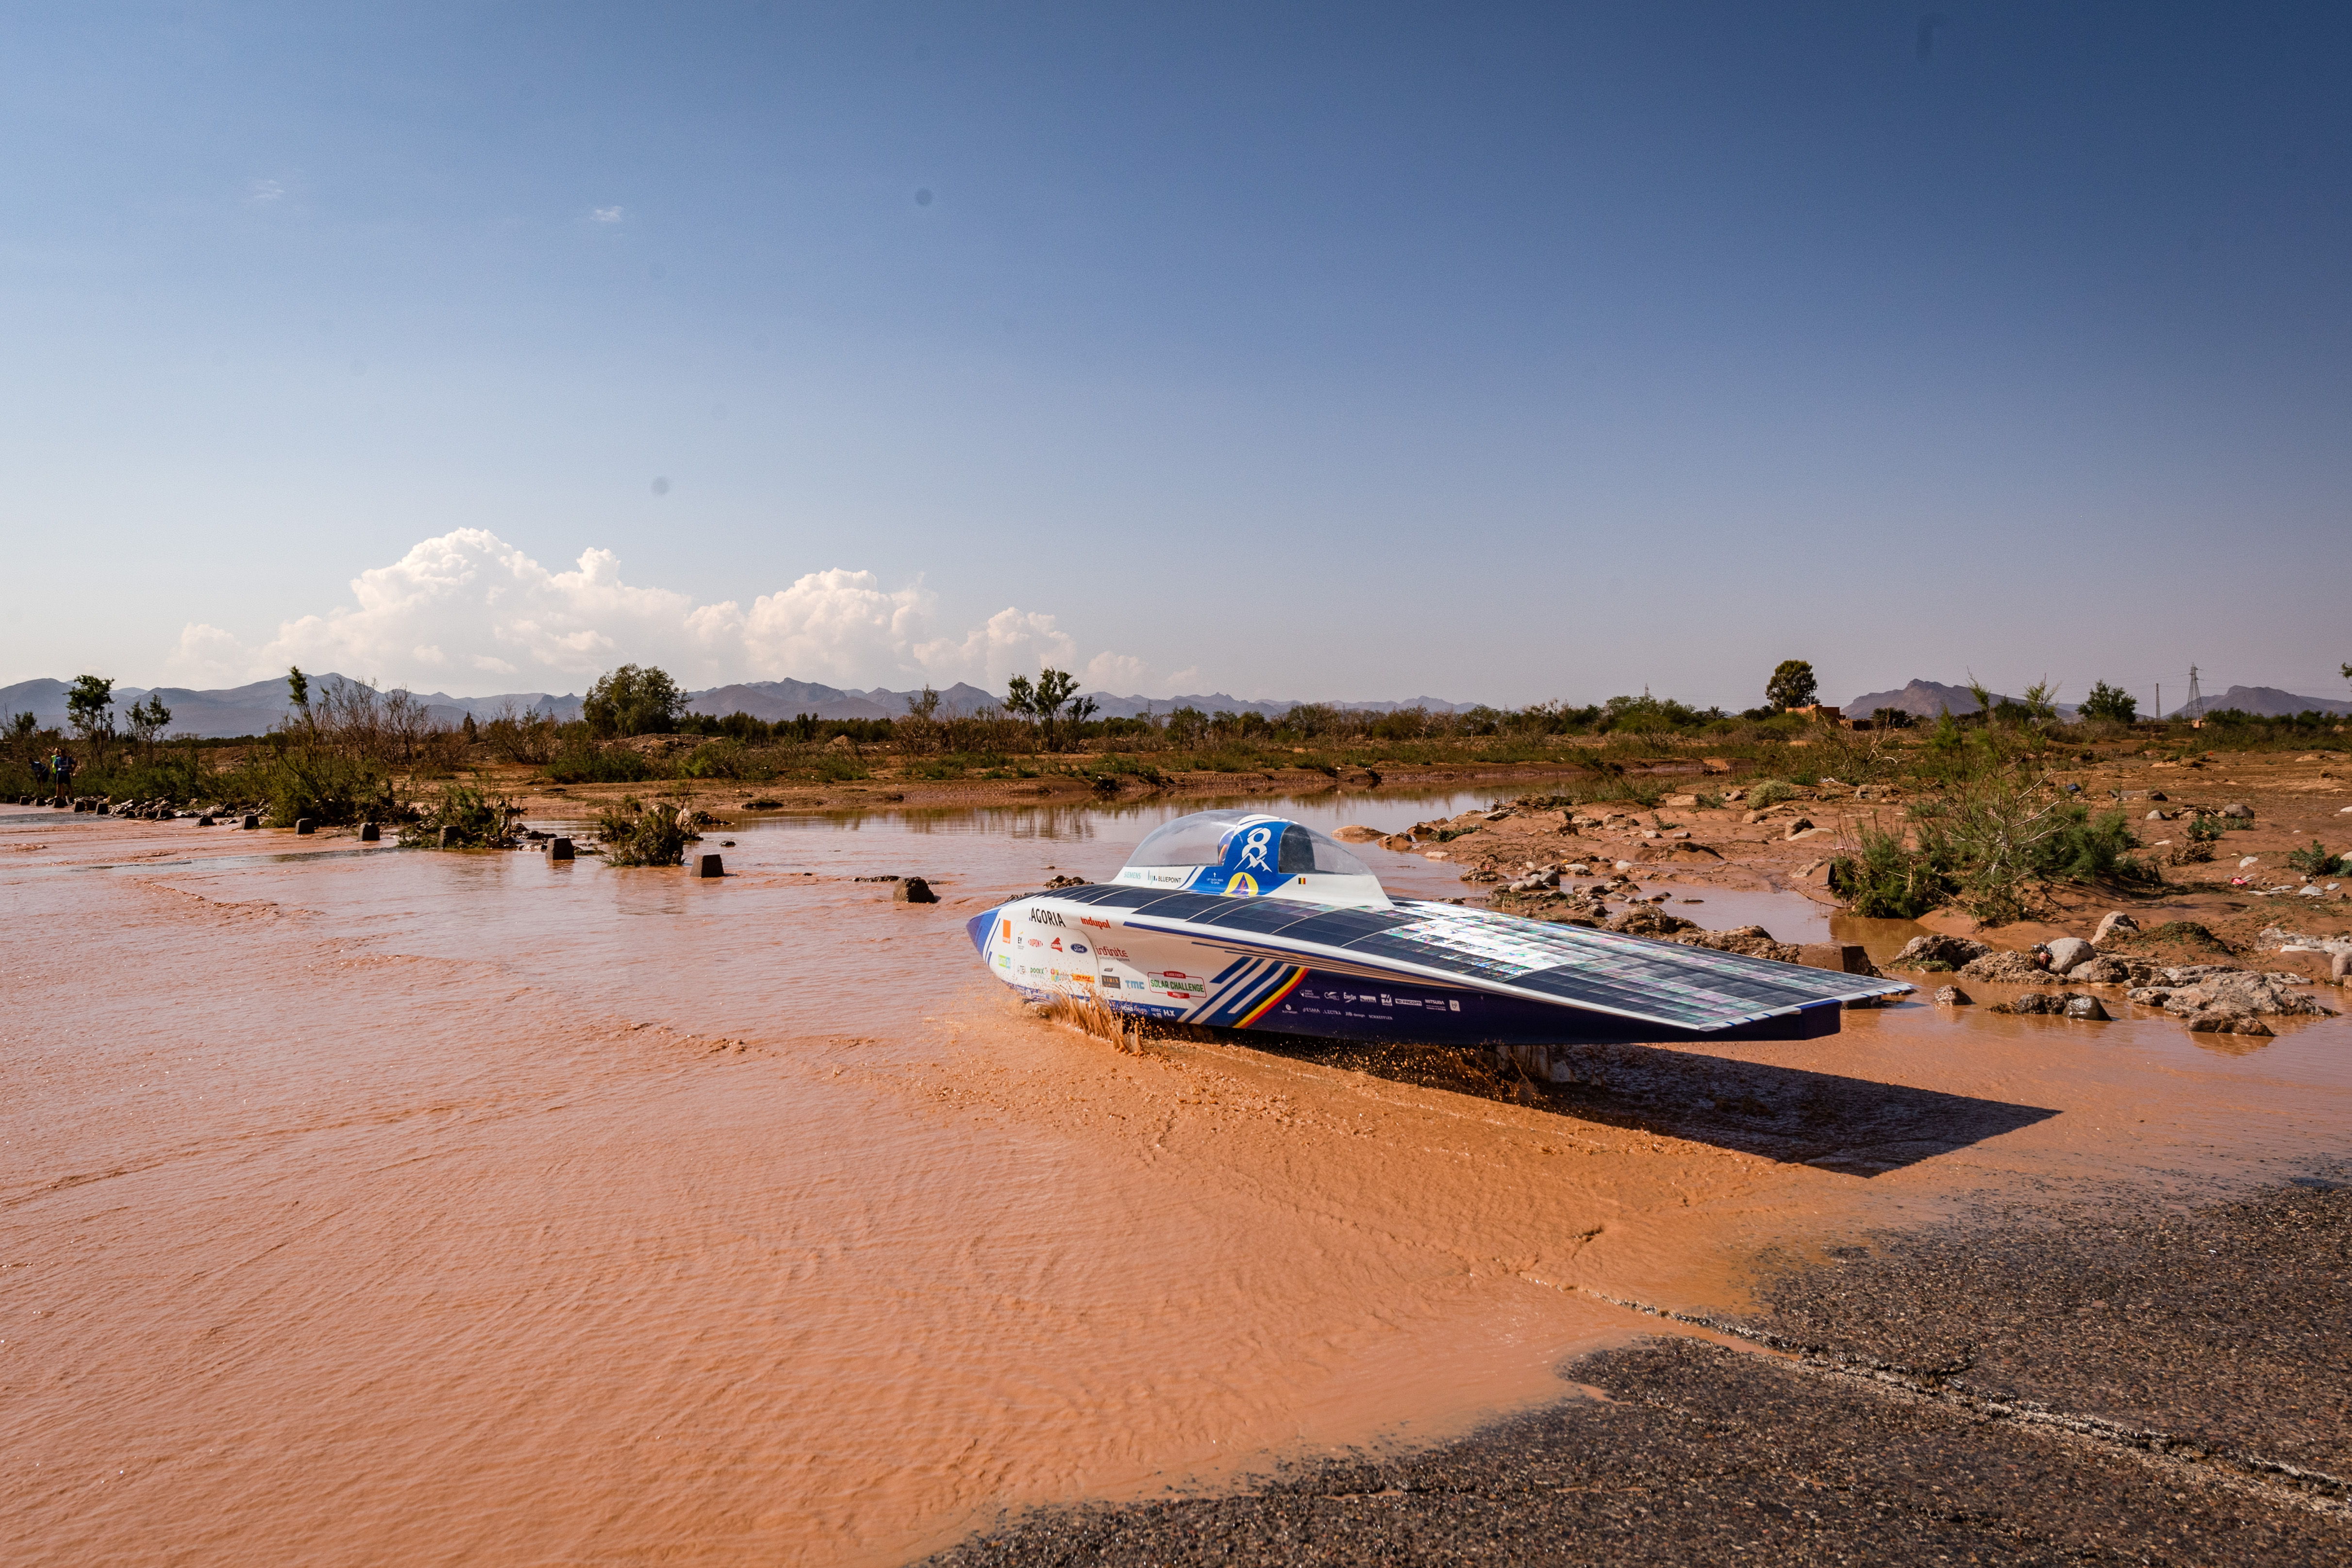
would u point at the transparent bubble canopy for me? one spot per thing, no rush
(1203, 837)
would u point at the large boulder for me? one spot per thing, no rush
(2055, 1004)
(1938, 951)
(2004, 968)
(2217, 1021)
(1753, 942)
(2110, 972)
(2066, 952)
(2114, 926)
(2205, 992)
(1642, 920)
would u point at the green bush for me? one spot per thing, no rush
(1889, 881)
(725, 759)
(584, 762)
(834, 767)
(1769, 791)
(477, 823)
(327, 787)
(2316, 861)
(635, 834)
(2091, 849)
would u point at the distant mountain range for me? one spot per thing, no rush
(254, 709)
(2268, 701)
(1927, 699)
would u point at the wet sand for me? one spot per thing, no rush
(367, 1205)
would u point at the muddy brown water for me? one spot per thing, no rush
(364, 1205)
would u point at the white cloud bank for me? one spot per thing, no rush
(469, 613)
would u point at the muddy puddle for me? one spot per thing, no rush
(400, 1206)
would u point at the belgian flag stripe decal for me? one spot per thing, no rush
(1285, 989)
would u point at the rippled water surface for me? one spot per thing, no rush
(382, 1206)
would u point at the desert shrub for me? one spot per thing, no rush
(833, 767)
(2096, 849)
(475, 821)
(1769, 791)
(1107, 770)
(725, 759)
(583, 761)
(635, 834)
(175, 776)
(1889, 880)
(2317, 861)
(1998, 840)
(323, 784)
(518, 737)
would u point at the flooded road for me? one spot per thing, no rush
(360, 1206)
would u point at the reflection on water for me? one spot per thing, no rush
(400, 1205)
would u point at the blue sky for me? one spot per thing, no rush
(1503, 354)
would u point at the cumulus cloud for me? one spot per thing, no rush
(604, 215)
(468, 605)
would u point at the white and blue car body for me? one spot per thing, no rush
(1243, 920)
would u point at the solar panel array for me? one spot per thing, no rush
(1639, 977)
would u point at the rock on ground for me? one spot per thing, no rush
(1753, 942)
(2058, 1005)
(2008, 968)
(1938, 950)
(2116, 923)
(2066, 952)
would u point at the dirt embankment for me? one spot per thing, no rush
(2275, 805)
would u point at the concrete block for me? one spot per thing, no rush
(449, 839)
(369, 833)
(559, 849)
(709, 865)
(304, 825)
(1841, 957)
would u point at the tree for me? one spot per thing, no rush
(2041, 699)
(633, 700)
(149, 719)
(1045, 700)
(87, 702)
(1792, 686)
(2110, 705)
(298, 687)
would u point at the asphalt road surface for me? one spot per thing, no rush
(2109, 1381)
